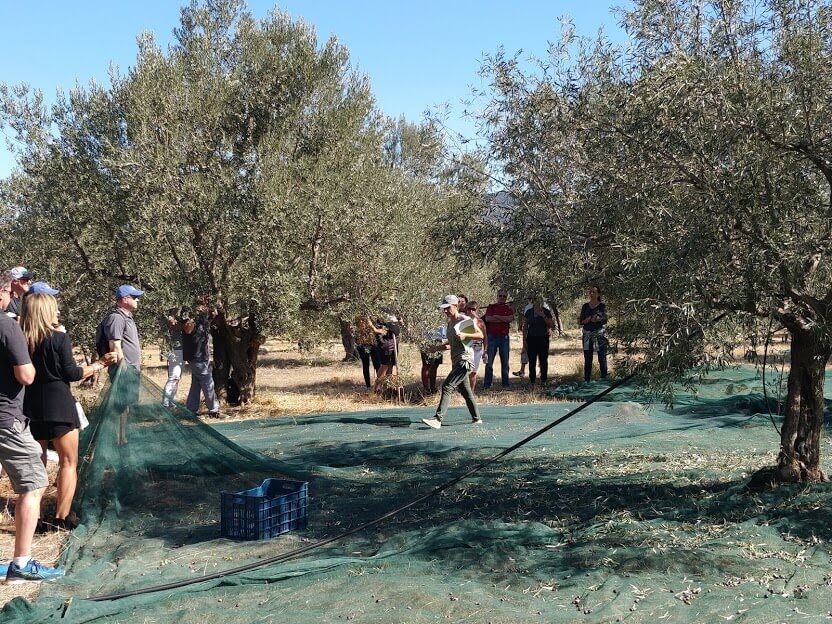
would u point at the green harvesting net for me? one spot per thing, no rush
(627, 512)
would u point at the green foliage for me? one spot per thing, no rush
(689, 169)
(248, 160)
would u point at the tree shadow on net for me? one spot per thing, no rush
(534, 490)
(594, 514)
(335, 387)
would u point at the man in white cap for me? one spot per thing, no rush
(21, 277)
(462, 359)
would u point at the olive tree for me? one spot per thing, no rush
(247, 160)
(692, 169)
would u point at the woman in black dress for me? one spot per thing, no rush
(48, 403)
(537, 323)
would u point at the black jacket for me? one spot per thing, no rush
(196, 345)
(48, 399)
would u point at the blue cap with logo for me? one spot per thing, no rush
(126, 290)
(42, 288)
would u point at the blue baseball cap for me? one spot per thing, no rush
(126, 290)
(42, 288)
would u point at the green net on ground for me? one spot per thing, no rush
(627, 512)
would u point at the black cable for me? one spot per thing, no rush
(440, 488)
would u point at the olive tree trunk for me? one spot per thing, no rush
(799, 458)
(236, 347)
(348, 340)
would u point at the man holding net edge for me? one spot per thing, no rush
(117, 332)
(19, 453)
(462, 359)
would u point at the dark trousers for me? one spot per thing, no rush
(457, 379)
(496, 344)
(602, 361)
(367, 355)
(537, 348)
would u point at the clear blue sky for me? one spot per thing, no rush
(417, 54)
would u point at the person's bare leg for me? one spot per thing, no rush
(26, 513)
(383, 371)
(472, 379)
(67, 449)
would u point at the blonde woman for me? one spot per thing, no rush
(48, 403)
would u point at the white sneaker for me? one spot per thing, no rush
(478, 421)
(434, 423)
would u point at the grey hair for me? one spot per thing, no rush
(5, 279)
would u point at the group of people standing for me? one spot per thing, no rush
(483, 338)
(37, 408)
(537, 324)
(493, 330)
(486, 338)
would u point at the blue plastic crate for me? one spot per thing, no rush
(274, 508)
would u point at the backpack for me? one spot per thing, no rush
(102, 345)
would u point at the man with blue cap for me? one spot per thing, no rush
(42, 288)
(118, 332)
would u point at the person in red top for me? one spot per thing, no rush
(498, 318)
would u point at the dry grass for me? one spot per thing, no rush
(293, 383)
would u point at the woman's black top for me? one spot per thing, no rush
(536, 326)
(48, 399)
(387, 341)
(600, 311)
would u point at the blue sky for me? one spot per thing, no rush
(418, 55)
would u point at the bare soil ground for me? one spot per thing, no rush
(290, 382)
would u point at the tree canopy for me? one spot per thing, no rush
(690, 171)
(249, 161)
